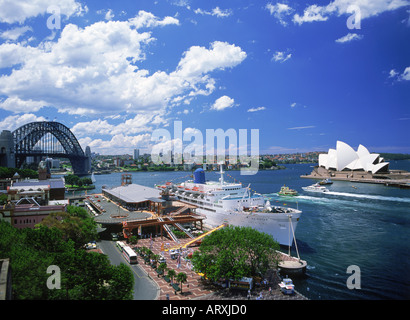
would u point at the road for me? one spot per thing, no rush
(144, 287)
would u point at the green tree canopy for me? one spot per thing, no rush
(75, 224)
(23, 173)
(236, 252)
(84, 275)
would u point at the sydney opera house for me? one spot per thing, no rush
(345, 158)
(346, 164)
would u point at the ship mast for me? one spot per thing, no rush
(222, 174)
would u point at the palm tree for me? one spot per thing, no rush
(161, 268)
(155, 258)
(181, 277)
(171, 275)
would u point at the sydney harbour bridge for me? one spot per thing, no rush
(39, 139)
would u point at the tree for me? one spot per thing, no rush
(162, 267)
(3, 198)
(23, 173)
(171, 274)
(28, 265)
(181, 278)
(71, 179)
(133, 240)
(235, 252)
(86, 181)
(155, 258)
(75, 224)
(121, 283)
(84, 275)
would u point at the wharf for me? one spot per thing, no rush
(395, 178)
(403, 184)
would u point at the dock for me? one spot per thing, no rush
(196, 287)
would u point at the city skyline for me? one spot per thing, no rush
(303, 75)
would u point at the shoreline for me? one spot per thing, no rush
(393, 178)
(402, 183)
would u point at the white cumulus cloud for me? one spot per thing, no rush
(15, 33)
(148, 20)
(256, 109)
(218, 12)
(94, 70)
(281, 56)
(406, 74)
(279, 11)
(222, 103)
(364, 8)
(310, 14)
(349, 37)
(13, 122)
(19, 11)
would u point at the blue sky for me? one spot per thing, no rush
(303, 73)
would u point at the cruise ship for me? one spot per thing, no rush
(222, 202)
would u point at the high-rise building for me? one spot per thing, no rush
(136, 154)
(7, 155)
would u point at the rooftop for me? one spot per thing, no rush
(53, 183)
(134, 193)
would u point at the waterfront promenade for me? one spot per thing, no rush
(198, 289)
(395, 178)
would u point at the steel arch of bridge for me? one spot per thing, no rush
(28, 135)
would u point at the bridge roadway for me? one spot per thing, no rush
(144, 287)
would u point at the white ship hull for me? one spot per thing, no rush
(230, 203)
(275, 224)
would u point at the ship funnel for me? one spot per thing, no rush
(199, 176)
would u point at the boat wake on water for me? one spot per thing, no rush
(342, 194)
(368, 196)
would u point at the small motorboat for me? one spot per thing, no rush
(315, 188)
(286, 191)
(287, 286)
(325, 182)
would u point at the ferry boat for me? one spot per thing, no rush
(286, 191)
(315, 188)
(222, 202)
(325, 182)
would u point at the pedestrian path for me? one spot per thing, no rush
(194, 288)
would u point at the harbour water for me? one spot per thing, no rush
(367, 226)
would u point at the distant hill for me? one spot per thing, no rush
(395, 156)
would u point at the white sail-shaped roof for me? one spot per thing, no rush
(362, 151)
(323, 157)
(368, 161)
(332, 159)
(355, 165)
(345, 157)
(377, 167)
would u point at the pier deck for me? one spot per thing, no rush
(197, 289)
